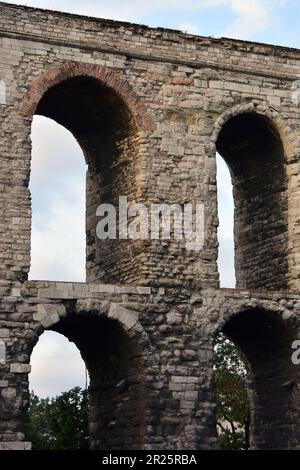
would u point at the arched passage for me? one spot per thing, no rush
(104, 129)
(253, 149)
(114, 359)
(57, 415)
(265, 342)
(108, 120)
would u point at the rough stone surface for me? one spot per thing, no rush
(155, 105)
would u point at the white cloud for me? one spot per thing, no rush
(190, 28)
(225, 231)
(252, 16)
(56, 366)
(58, 198)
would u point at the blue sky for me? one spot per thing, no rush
(58, 168)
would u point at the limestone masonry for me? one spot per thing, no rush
(150, 108)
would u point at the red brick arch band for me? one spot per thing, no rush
(108, 77)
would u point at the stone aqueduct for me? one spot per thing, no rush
(149, 108)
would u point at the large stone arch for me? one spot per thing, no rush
(257, 144)
(118, 355)
(110, 122)
(287, 134)
(110, 78)
(264, 332)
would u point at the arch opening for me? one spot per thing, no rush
(57, 186)
(106, 131)
(56, 366)
(116, 395)
(253, 150)
(264, 341)
(58, 405)
(226, 224)
(232, 402)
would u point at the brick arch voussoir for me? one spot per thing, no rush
(286, 133)
(228, 313)
(106, 76)
(48, 315)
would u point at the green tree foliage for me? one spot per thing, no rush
(59, 423)
(233, 414)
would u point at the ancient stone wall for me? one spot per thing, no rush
(154, 355)
(150, 108)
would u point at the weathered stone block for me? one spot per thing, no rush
(20, 368)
